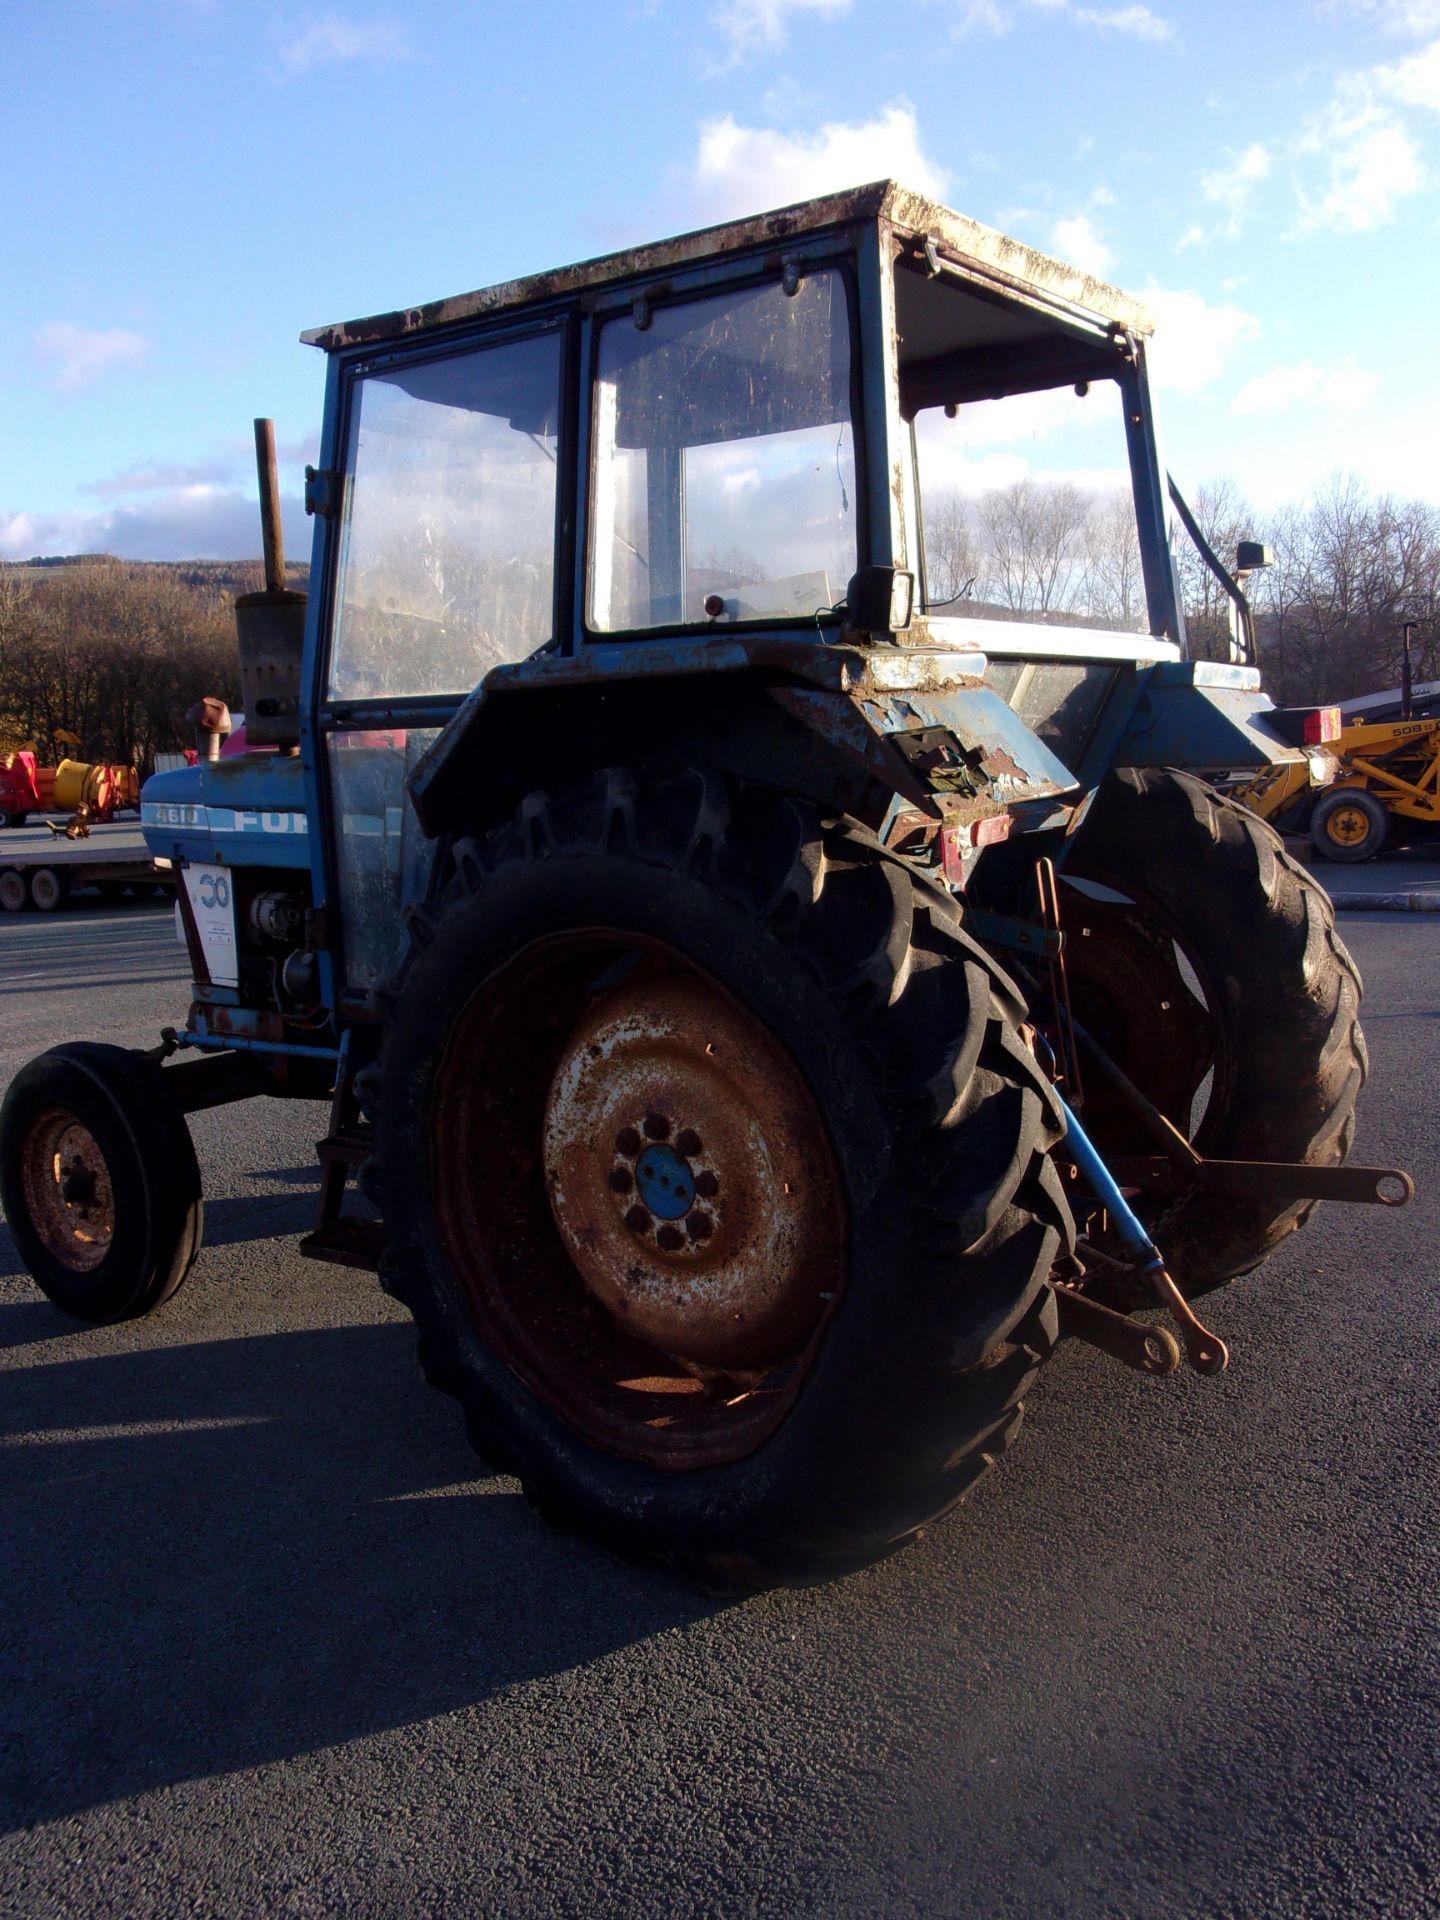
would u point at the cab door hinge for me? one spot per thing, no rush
(322, 491)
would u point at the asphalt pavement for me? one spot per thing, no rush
(270, 1643)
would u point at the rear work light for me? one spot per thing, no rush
(1321, 725)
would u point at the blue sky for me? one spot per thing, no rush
(191, 182)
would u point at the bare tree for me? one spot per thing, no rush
(1034, 536)
(1114, 582)
(953, 563)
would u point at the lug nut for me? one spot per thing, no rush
(671, 1239)
(657, 1127)
(687, 1141)
(706, 1185)
(638, 1219)
(699, 1226)
(620, 1181)
(627, 1141)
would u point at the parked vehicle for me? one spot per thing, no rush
(705, 942)
(1372, 781)
(27, 788)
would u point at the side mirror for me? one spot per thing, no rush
(880, 600)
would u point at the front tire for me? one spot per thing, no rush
(788, 1375)
(99, 1181)
(1349, 824)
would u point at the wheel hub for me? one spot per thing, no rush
(690, 1176)
(1347, 826)
(67, 1191)
(664, 1182)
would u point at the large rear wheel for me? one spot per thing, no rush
(1206, 963)
(715, 1172)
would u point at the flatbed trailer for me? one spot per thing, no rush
(39, 870)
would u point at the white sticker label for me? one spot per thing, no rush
(212, 902)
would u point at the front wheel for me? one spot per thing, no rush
(714, 1167)
(1349, 824)
(99, 1180)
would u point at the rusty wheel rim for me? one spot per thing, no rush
(1347, 826)
(68, 1192)
(1141, 989)
(635, 1188)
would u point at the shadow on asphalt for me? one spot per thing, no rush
(286, 1551)
(261, 1217)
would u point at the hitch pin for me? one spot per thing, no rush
(1206, 1351)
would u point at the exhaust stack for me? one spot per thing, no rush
(270, 626)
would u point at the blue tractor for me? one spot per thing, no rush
(766, 987)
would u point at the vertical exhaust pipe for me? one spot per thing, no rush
(270, 626)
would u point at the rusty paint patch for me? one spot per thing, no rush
(689, 1176)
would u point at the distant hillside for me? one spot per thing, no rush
(214, 576)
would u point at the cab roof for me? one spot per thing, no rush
(979, 253)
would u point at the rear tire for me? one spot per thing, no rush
(915, 1329)
(49, 889)
(1265, 1006)
(16, 819)
(99, 1180)
(14, 896)
(1349, 824)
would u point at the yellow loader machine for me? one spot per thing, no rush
(1371, 774)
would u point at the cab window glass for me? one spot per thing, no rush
(724, 459)
(448, 546)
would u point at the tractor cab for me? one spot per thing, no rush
(545, 508)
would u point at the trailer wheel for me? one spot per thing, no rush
(13, 895)
(1214, 976)
(714, 1167)
(1349, 824)
(49, 888)
(99, 1180)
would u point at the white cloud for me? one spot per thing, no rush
(1412, 17)
(1358, 148)
(1193, 339)
(161, 479)
(78, 356)
(1076, 242)
(999, 16)
(1356, 157)
(1136, 23)
(1413, 81)
(334, 39)
(1368, 166)
(743, 170)
(188, 523)
(1334, 389)
(752, 26)
(1230, 187)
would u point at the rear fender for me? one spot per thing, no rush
(856, 728)
(1203, 715)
